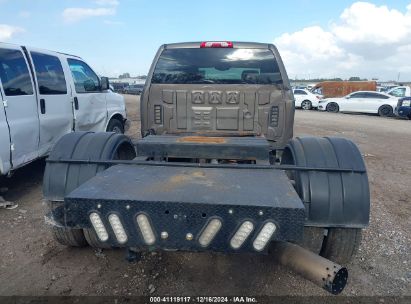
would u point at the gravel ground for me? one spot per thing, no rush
(31, 263)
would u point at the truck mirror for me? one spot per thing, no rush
(105, 85)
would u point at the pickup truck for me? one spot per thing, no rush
(217, 169)
(45, 95)
(400, 91)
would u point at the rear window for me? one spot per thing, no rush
(217, 65)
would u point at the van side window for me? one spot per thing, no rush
(14, 73)
(85, 80)
(49, 73)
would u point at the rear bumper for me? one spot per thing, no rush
(180, 202)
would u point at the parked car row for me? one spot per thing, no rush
(383, 104)
(45, 95)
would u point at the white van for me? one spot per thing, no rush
(44, 95)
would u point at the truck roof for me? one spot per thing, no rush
(236, 44)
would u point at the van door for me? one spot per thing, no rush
(55, 107)
(20, 106)
(5, 164)
(90, 108)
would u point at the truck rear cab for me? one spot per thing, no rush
(223, 89)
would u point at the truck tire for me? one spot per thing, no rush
(115, 126)
(61, 178)
(385, 111)
(69, 237)
(337, 202)
(341, 244)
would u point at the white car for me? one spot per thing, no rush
(44, 95)
(305, 99)
(361, 102)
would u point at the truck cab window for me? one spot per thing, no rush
(14, 73)
(85, 80)
(400, 92)
(218, 66)
(49, 73)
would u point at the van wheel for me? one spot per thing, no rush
(306, 105)
(69, 237)
(332, 107)
(385, 111)
(115, 126)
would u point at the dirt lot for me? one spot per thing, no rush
(31, 263)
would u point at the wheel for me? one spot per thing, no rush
(341, 244)
(115, 126)
(93, 240)
(385, 111)
(332, 107)
(62, 178)
(306, 105)
(332, 199)
(69, 237)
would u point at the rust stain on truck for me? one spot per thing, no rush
(202, 139)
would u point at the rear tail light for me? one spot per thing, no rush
(274, 116)
(158, 114)
(145, 228)
(264, 236)
(210, 232)
(216, 44)
(242, 234)
(99, 227)
(118, 228)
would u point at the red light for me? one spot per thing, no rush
(216, 44)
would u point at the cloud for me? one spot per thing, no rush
(71, 15)
(367, 40)
(8, 31)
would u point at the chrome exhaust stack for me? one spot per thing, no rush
(322, 272)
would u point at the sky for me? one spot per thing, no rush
(315, 38)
